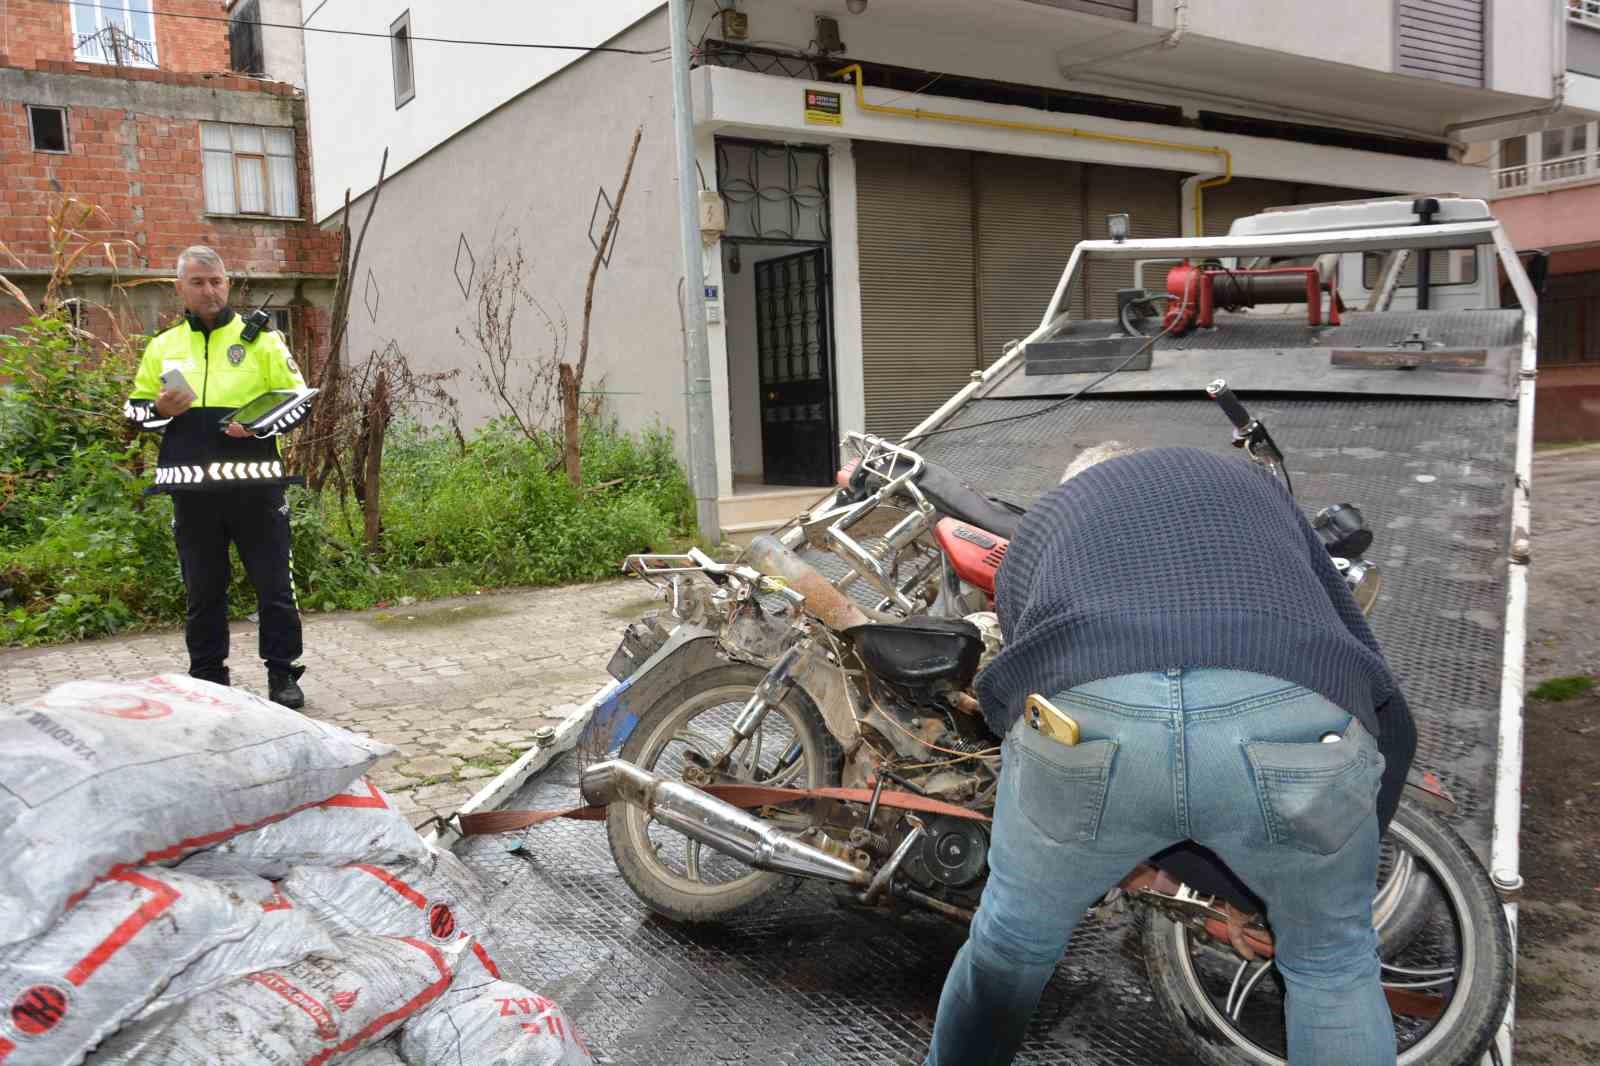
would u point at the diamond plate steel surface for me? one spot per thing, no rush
(1433, 478)
(806, 981)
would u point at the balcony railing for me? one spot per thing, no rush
(1566, 168)
(1509, 178)
(1538, 166)
(113, 44)
(1571, 168)
(1586, 11)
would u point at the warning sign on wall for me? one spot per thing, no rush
(823, 108)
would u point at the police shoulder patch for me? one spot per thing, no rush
(235, 354)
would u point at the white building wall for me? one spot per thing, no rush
(528, 174)
(283, 46)
(352, 85)
(1527, 45)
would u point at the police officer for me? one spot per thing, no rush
(227, 483)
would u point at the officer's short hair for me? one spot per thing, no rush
(199, 253)
(1097, 453)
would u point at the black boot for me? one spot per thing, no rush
(282, 687)
(217, 675)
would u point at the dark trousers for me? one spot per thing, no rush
(256, 521)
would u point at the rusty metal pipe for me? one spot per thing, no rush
(720, 826)
(830, 606)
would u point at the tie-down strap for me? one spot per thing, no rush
(746, 796)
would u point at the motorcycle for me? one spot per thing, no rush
(777, 707)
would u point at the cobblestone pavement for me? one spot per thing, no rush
(459, 685)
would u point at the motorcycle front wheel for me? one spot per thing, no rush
(682, 879)
(1450, 971)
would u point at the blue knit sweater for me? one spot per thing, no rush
(1175, 557)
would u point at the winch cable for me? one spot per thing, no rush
(1173, 320)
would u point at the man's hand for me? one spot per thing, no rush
(173, 402)
(236, 430)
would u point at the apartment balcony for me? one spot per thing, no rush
(1540, 166)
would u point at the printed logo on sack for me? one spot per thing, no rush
(235, 354)
(125, 705)
(346, 1000)
(321, 1017)
(39, 1010)
(441, 922)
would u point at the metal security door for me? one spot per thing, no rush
(792, 349)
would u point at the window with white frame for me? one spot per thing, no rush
(114, 31)
(405, 85)
(1551, 157)
(250, 170)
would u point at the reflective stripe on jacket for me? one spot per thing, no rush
(226, 372)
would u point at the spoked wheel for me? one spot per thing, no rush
(1446, 958)
(683, 879)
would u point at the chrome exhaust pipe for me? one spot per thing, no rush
(718, 825)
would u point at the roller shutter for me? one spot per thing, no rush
(1030, 214)
(1153, 200)
(918, 274)
(1440, 39)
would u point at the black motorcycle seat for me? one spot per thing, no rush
(919, 651)
(957, 499)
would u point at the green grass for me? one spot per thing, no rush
(1558, 689)
(83, 553)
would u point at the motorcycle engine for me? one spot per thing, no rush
(954, 854)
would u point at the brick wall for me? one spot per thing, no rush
(145, 173)
(37, 32)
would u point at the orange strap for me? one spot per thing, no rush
(747, 796)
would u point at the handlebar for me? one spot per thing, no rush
(1218, 390)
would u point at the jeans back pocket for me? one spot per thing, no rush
(1060, 789)
(1315, 796)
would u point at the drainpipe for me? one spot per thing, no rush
(1558, 88)
(1168, 41)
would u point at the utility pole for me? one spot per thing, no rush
(702, 438)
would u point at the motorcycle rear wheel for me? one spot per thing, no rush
(678, 878)
(1465, 936)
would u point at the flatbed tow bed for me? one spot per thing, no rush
(1437, 455)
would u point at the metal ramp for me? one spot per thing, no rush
(806, 981)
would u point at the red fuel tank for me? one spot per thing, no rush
(975, 553)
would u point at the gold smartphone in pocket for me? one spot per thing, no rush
(1050, 720)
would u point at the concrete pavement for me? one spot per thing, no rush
(459, 685)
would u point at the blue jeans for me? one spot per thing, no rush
(1231, 760)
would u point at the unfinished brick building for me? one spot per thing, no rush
(164, 115)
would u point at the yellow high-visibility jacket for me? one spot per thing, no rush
(226, 372)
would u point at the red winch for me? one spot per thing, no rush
(1197, 291)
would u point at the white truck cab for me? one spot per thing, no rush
(1464, 278)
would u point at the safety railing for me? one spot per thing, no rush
(1585, 11)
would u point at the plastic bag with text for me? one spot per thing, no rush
(492, 1022)
(360, 824)
(66, 989)
(284, 935)
(309, 1014)
(438, 900)
(97, 776)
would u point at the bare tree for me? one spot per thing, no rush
(523, 389)
(572, 377)
(317, 453)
